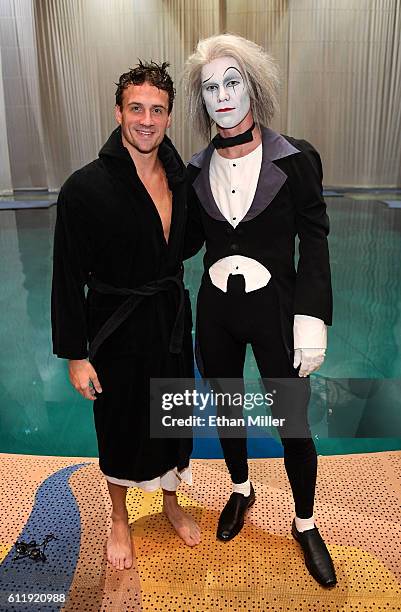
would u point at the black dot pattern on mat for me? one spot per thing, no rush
(262, 569)
(96, 584)
(54, 510)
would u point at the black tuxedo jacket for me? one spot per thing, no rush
(288, 202)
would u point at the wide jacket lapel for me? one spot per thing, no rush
(271, 177)
(201, 184)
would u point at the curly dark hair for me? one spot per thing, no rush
(149, 72)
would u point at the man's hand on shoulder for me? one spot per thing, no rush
(83, 378)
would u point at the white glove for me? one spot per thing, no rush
(309, 359)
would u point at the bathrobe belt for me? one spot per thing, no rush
(134, 298)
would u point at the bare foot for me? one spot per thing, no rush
(182, 522)
(119, 545)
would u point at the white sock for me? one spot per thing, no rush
(243, 487)
(304, 524)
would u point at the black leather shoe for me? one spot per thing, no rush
(231, 519)
(317, 557)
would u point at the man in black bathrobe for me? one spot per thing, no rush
(119, 231)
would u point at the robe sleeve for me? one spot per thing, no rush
(313, 294)
(71, 267)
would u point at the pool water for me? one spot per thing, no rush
(40, 413)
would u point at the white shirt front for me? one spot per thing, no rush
(233, 183)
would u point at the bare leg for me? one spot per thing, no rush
(119, 544)
(184, 524)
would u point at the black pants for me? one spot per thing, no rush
(226, 323)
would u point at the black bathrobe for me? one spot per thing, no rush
(109, 231)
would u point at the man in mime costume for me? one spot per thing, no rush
(253, 191)
(120, 231)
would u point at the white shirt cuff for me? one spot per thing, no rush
(309, 332)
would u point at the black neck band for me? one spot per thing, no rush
(222, 143)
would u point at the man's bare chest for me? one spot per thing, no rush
(162, 198)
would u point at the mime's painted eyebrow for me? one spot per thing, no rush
(234, 68)
(208, 78)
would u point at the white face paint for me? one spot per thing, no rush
(224, 92)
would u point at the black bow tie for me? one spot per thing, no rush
(232, 141)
